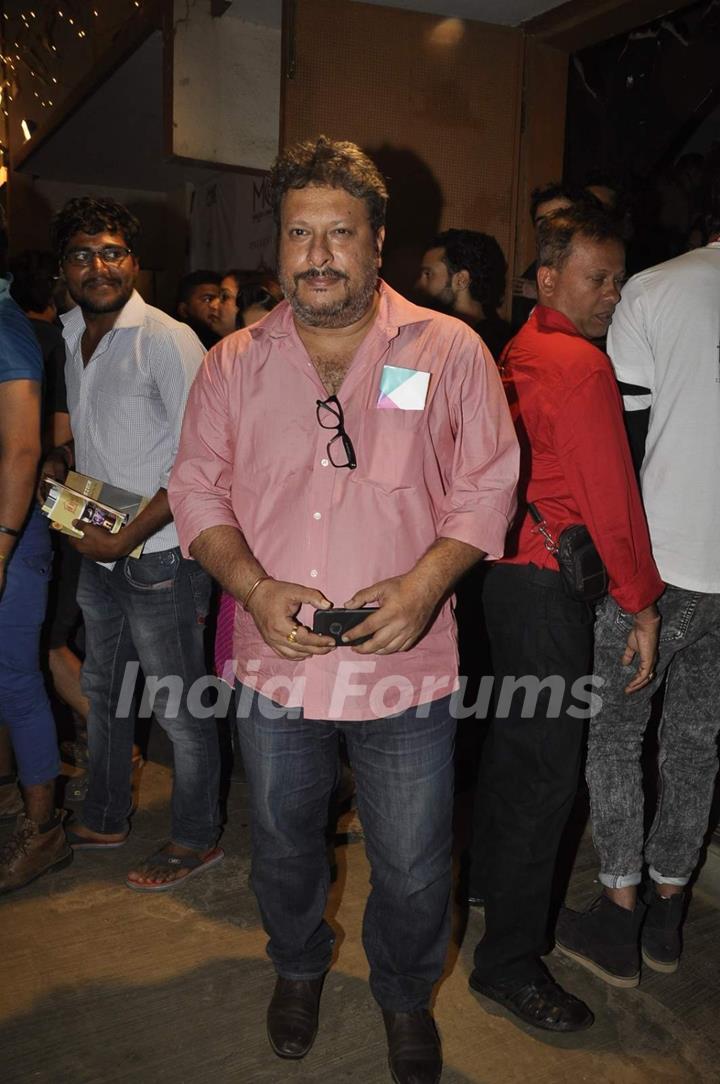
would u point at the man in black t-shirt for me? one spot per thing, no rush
(463, 271)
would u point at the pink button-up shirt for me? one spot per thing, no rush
(252, 455)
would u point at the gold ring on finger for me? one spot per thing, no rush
(292, 636)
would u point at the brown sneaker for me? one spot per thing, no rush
(11, 802)
(31, 852)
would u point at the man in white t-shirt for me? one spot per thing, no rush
(665, 337)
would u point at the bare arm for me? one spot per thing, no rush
(642, 645)
(409, 603)
(60, 431)
(19, 457)
(57, 462)
(99, 545)
(224, 553)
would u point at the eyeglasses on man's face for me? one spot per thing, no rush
(340, 449)
(107, 254)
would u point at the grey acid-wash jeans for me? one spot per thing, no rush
(689, 653)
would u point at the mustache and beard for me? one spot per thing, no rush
(111, 303)
(338, 312)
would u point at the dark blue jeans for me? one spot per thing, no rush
(149, 611)
(403, 768)
(24, 705)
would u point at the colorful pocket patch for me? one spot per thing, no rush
(402, 389)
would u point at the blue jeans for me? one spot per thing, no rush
(151, 611)
(403, 768)
(689, 654)
(24, 705)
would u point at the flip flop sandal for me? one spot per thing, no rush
(176, 861)
(81, 843)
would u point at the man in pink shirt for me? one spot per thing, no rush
(351, 449)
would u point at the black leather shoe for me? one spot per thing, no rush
(414, 1052)
(292, 1016)
(541, 1003)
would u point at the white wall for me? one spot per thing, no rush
(231, 223)
(226, 85)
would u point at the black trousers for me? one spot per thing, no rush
(531, 761)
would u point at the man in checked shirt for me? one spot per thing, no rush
(128, 371)
(351, 448)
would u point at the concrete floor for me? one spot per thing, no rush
(102, 984)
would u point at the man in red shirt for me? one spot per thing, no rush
(575, 468)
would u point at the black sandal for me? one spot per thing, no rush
(542, 1003)
(190, 862)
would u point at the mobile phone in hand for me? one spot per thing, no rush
(337, 622)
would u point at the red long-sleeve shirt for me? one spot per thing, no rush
(576, 465)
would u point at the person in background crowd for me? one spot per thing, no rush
(254, 301)
(544, 201)
(38, 844)
(566, 408)
(233, 283)
(129, 369)
(464, 271)
(198, 305)
(229, 286)
(664, 336)
(308, 394)
(34, 277)
(34, 288)
(606, 190)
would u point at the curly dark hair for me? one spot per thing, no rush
(84, 214)
(556, 233)
(481, 256)
(333, 163)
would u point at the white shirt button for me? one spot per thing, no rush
(317, 515)
(325, 462)
(313, 573)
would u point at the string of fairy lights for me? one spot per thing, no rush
(34, 43)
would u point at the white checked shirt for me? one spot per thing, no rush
(126, 406)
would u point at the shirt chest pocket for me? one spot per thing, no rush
(389, 449)
(125, 418)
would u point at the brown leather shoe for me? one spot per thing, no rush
(292, 1016)
(11, 802)
(30, 852)
(414, 1051)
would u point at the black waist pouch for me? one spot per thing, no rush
(582, 571)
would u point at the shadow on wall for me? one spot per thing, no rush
(414, 213)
